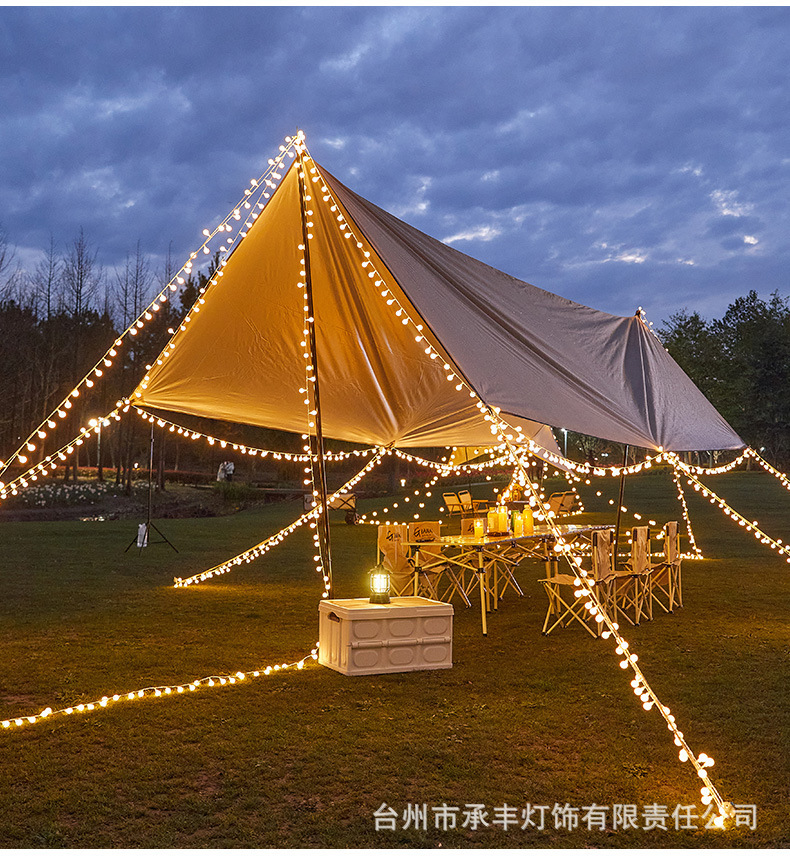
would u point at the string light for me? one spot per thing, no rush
(50, 463)
(750, 526)
(272, 541)
(154, 691)
(146, 315)
(586, 589)
(241, 448)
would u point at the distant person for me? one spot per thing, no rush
(230, 469)
(222, 473)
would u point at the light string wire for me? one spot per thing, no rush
(505, 432)
(48, 464)
(640, 685)
(697, 553)
(313, 442)
(147, 314)
(159, 690)
(272, 541)
(750, 526)
(782, 477)
(243, 448)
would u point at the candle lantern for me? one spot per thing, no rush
(379, 585)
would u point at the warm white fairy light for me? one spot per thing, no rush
(147, 314)
(252, 451)
(782, 477)
(697, 553)
(594, 605)
(270, 542)
(752, 527)
(154, 691)
(321, 556)
(50, 463)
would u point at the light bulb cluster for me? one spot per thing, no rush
(447, 469)
(272, 541)
(152, 692)
(316, 479)
(586, 589)
(721, 468)
(752, 527)
(246, 208)
(782, 477)
(696, 552)
(50, 463)
(252, 451)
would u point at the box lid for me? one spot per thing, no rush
(358, 608)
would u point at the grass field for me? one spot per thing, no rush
(304, 759)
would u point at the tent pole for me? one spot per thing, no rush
(323, 524)
(620, 505)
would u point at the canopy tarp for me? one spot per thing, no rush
(540, 358)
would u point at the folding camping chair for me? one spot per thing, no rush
(452, 504)
(564, 607)
(469, 506)
(395, 557)
(431, 565)
(563, 503)
(627, 588)
(664, 581)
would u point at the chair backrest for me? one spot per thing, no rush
(391, 552)
(601, 554)
(467, 526)
(427, 531)
(563, 501)
(452, 504)
(640, 549)
(465, 498)
(671, 543)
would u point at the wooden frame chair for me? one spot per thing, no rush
(452, 504)
(564, 607)
(628, 587)
(431, 566)
(665, 582)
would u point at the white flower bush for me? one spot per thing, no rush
(65, 494)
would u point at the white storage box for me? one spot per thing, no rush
(359, 638)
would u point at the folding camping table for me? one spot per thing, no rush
(491, 559)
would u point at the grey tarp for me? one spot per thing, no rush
(541, 356)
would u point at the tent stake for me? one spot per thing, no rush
(620, 506)
(323, 523)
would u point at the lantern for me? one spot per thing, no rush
(379, 585)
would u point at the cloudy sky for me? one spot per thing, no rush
(619, 157)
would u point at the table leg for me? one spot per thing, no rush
(483, 591)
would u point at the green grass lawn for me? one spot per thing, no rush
(304, 759)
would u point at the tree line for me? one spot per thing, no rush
(741, 362)
(56, 323)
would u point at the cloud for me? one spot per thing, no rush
(727, 203)
(615, 155)
(477, 233)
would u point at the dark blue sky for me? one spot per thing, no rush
(616, 156)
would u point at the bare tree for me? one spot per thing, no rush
(81, 276)
(45, 280)
(133, 284)
(10, 274)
